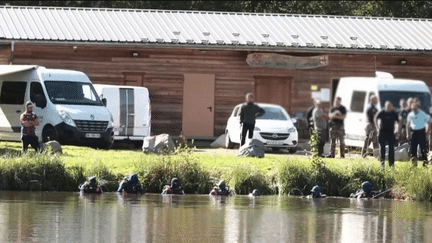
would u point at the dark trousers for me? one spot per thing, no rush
(30, 140)
(247, 128)
(321, 140)
(418, 137)
(385, 138)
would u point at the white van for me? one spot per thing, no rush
(130, 108)
(66, 103)
(356, 91)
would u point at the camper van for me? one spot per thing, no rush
(130, 108)
(66, 103)
(356, 92)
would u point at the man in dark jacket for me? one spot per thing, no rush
(248, 114)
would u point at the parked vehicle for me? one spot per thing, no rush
(130, 108)
(275, 128)
(356, 92)
(66, 103)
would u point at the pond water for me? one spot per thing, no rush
(70, 217)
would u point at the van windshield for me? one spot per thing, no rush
(273, 113)
(395, 96)
(72, 93)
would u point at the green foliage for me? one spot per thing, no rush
(245, 178)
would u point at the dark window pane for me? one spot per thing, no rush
(358, 101)
(395, 96)
(13, 93)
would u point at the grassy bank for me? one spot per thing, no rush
(199, 172)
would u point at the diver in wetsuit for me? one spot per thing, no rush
(91, 186)
(174, 188)
(131, 185)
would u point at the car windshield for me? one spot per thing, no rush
(273, 113)
(395, 96)
(72, 93)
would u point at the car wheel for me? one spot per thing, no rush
(292, 150)
(228, 143)
(49, 134)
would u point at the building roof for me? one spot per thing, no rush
(198, 28)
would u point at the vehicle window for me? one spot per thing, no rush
(37, 95)
(13, 93)
(358, 101)
(72, 93)
(237, 111)
(395, 96)
(273, 113)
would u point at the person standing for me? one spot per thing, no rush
(403, 115)
(371, 133)
(320, 126)
(309, 118)
(337, 129)
(388, 118)
(29, 121)
(248, 114)
(417, 123)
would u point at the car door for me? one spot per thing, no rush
(356, 119)
(12, 98)
(234, 126)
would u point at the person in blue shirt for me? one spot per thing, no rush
(417, 123)
(386, 135)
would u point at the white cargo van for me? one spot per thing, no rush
(356, 91)
(130, 108)
(66, 102)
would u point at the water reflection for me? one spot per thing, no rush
(71, 217)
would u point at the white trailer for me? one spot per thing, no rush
(130, 108)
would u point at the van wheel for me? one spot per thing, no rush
(104, 145)
(49, 134)
(228, 143)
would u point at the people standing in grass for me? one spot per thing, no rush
(386, 136)
(337, 129)
(320, 126)
(29, 120)
(403, 115)
(417, 123)
(248, 114)
(371, 131)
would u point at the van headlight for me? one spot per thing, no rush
(111, 122)
(66, 118)
(292, 130)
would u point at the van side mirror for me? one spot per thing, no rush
(104, 101)
(40, 101)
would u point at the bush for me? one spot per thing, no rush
(245, 178)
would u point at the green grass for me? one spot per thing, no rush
(198, 172)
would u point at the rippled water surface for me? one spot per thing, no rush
(70, 217)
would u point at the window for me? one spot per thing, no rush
(236, 111)
(358, 101)
(395, 96)
(273, 113)
(13, 93)
(37, 95)
(72, 93)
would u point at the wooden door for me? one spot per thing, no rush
(198, 105)
(133, 79)
(274, 90)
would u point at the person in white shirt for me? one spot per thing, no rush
(417, 124)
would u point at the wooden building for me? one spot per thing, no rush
(194, 63)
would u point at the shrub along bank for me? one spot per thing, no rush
(198, 173)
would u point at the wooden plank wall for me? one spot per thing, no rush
(163, 70)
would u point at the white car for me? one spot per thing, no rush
(275, 128)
